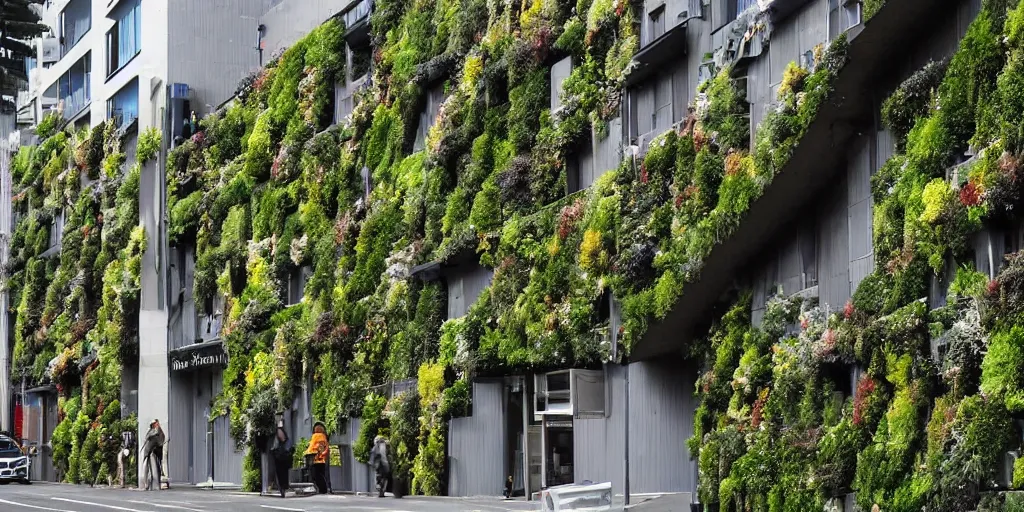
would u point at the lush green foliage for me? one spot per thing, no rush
(76, 304)
(269, 187)
(778, 429)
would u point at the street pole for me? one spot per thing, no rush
(626, 419)
(526, 443)
(209, 441)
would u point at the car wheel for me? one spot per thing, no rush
(25, 482)
(4, 482)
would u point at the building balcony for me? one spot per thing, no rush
(665, 48)
(781, 9)
(815, 163)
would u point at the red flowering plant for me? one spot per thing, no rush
(868, 402)
(993, 287)
(757, 413)
(568, 217)
(970, 193)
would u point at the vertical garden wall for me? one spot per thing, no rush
(272, 184)
(922, 429)
(77, 301)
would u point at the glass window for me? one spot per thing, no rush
(73, 87)
(8, 448)
(809, 254)
(123, 106)
(656, 24)
(73, 23)
(742, 5)
(124, 40)
(661, 118)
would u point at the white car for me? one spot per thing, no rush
(13, 462)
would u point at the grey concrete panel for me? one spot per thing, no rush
(289, 20)
(476, 445)
(212, 46)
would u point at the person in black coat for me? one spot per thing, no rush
(379, 461)
(281, 456)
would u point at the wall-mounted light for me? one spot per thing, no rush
(261, 30)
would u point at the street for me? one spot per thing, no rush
(73, 498)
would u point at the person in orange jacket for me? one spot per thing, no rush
(321, 452)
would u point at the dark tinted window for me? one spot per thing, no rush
(8, 448)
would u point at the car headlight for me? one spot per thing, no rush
(22, 462)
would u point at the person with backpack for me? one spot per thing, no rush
(380, 463)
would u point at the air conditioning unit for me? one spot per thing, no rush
(51, 50)
(577, 393)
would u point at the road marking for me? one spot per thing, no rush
(112, 507)
(26, 505)
(159, 505)
(283, 508)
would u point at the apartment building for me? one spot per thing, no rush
(141, 64)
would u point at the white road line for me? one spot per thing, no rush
(112, 507)
(283, 508)
(160, 505)
(26, 505)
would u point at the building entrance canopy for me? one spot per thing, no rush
(208, 354)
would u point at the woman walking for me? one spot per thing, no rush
(321, 452)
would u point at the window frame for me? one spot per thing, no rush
(110, 102)
(81, 68)
(113, 39)
(656, 25)
(65, 45)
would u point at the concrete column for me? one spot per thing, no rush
(5, 237)
(154, 375)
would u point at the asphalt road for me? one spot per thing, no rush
(71, 498)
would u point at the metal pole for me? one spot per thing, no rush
(543, 451)
(526, 443)
(209, 440)
(626, 419)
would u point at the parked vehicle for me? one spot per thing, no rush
(14, 463)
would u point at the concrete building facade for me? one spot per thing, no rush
(627, 424)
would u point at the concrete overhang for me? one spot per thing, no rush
(666, 48)
(781, 9)
(434, 270)
(815, 162)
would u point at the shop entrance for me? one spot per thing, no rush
(558, 452)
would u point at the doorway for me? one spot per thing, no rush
(558, 451)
